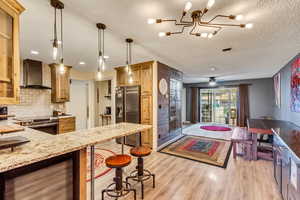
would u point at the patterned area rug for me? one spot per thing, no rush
(99, 163)
(210, 151)
(196, 131)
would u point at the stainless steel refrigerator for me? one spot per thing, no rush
(128, 109)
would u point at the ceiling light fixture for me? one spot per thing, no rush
(81, 63)
(197, 21)
(212, 81)
(34, 52)
(101, 58)
(58, 5)
(213, 69)
(129, 42)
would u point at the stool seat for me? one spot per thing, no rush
(140, 151)
(118, 161)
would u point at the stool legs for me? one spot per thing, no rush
(141, 175)
(117, 189)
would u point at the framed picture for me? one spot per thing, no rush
(277, 89)
(295, 86)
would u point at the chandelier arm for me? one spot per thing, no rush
(185, 22)
(182, 29)
(218, 16)
(191, 32)
(210, 26)
(237, 25)
(175, 22)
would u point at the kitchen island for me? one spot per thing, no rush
(66, 153)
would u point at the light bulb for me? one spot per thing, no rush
(162, 34)
(249, 26)
(151, 21)
(127, 68)
(204, 35)
(210, 3)
(130, 80)
(61, 68)
(239, 17)
(55, 50)
(129, 72)
(99, 75)
(103, 67)
(100, 61)
(188, 6)
(210, 35)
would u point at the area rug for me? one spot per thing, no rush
(210, 151)
(196, 131)
(99, 162)
(215, 128)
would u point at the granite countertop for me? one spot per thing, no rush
(288, 132)
(43, 146)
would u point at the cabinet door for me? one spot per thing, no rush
(146, 79)
(146, 109)
(146, 118)
(9, 52)
(136, 73)
(121, 77)
(60, 83)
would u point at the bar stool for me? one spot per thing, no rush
(141, 174)
(119, 188)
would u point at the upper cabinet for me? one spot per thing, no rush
(60, 84)
(9, 51)
(141, 75)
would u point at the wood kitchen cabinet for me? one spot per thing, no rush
(9, 51)
(146, 79)
(66, 124)
(60, 83)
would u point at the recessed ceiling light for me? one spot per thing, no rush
(34, 52)
(213, 69)
(81, 63)
(106, 57)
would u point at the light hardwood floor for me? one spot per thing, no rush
(181, 179)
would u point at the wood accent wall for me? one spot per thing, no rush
(142, 74)
(163, 113)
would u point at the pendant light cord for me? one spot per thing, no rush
(61, 35)
(103, 44)
(55, 28)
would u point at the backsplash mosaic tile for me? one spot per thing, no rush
(35, 102)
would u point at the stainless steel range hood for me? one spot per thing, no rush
(33, 74)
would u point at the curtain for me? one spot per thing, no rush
(243, 105)
(195, 105)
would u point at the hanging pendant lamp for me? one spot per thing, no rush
(101, 60)
(58, 5)
(129, 42)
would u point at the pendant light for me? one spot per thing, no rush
(58, 5)
(129, 42)
(101, 59)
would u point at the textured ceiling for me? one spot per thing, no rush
(256, 53)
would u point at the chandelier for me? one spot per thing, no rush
(197, 22)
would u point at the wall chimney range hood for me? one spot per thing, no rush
(33, 74)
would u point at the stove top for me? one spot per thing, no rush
(29, 121)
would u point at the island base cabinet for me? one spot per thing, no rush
(59, 178)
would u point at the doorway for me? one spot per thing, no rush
(103, 111)
(219, 105)
(78, 104)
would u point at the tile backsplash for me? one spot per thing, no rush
(35, 102)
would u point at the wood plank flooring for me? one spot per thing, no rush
(181, 179)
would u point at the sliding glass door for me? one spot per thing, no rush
(218, 105)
